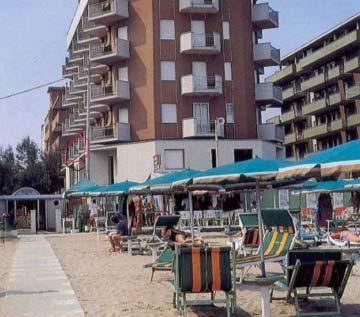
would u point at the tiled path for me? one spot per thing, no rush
(37, 284)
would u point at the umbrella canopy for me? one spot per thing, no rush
(327, 163)
(82, 188)
(339, 185)
(251, 170)
(115, 189)
(165, 182)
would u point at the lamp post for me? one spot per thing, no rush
(87, 135)
(218, 122)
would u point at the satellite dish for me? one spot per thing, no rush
(220, 121)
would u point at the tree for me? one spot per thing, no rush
(52, 169)
(8, 179)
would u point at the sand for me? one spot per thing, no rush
(7, 252)
(118, 285)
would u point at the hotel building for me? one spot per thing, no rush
(162, 73)
(321, 92)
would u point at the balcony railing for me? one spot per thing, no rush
(92, 28)
(352, 65)
(315, 131)
(266, 55)
(288, 116)
(334, 72)
(199, 6)
(118, 132)
(264, 17)
(111, 93)
(335, 125)
(194, 43)
(271, 132)
(108, 54)
(353, 92)
(193, 127)
(313, 82)
(327, 51)
(334, 98)
(353, 119)
(201, 85)
(108, 12)
(267, 93)
(290, 138)
(314, 106)
(283, 74)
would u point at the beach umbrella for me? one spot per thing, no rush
(254, 170)
(339, 185)
(114, 189)
(165, 182)
(328, 163)
(81, 188)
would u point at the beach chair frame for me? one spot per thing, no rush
(293, 295)
(179, 296)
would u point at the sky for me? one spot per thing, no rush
(33, 49)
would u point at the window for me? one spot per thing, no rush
(242, 155)
(167, 30)
(168, 113)
(174, 159)
(213, 158)
(111, 169)
(123, 115)
(230, 116)
(228, 71)
(226, 30)
(168, 71)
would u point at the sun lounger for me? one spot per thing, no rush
(249, 241)
(204, 270)
(279, 238)
(163, 263)
(314, 270)
(164, 221)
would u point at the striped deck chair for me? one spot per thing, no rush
(163, 221)
(313, 270)
(249, 241)
(163, 263)
(204, 270)
(279, 238)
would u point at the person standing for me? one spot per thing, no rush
(138, 213)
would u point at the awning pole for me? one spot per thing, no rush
(191, 217)
(258, 207)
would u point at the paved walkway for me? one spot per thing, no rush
(37, 284)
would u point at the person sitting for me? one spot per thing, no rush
(115, 238)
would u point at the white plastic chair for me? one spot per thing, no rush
(209, 215)
(184, 218)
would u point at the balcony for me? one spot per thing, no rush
(333, 73)
(328, 51)
(110, 94)
(192, 85)
(78, 48)
(271, 132)
(267, 93)
(193, 128)
(77, 90)
(284, 74)
(69, 96)
(199, 6)
(353, 92)
(313, 82)
(266, 55)
(110, 54)
(315, 131)
(207, 44)
(109, 12)
(75, 59)
(68, 73)
(315, 106)
(90, 27)
(117, 133)
(96, 69)
(288, 116)
(335, 125)
(334, 98)
(352, 65)
(288, 93)
(290, 138)
(353, 120)
(264, 17)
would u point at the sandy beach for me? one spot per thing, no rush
(118, 285)
(7, 252)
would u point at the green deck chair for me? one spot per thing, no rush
(201, 270)
(279, 238)
(312, 270)
(164, 262)
(250, 240)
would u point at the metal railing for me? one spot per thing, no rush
(203, 3)
(202, 83)
(88, 24)
(203, 40)
(98, 91)
(97, 50)
(99, 9)
(102, 133)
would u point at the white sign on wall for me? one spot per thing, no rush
(311, 201)
(284, 199)
(338, 200)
